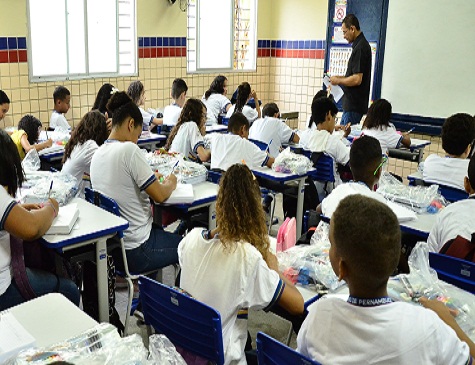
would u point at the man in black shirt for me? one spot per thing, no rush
(356, 82)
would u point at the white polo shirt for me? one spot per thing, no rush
(215, 104)
(171, 114)
(445, 170)
(388, 137)
(269, 129)
(58, 120)
(187, 140)
(6, 205)
(249, 113)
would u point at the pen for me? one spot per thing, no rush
(410, 130)
(47, 134)
(50, 188)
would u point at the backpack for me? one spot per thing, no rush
(461, 248)
(286, 236)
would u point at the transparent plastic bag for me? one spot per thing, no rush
(290, 162)
(162, 351)
(64, 188)
(188, 172)
(61, 135)
(162, 160)
(31, 162)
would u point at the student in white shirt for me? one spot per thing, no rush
(215, 99)
(377, 124)
(136, 91)
(186, 137)
(171, 113)
(369, 327)
(457, 218)
(4, 104)
(27, 222)
(231, 268)
(120, 171)
(272, 130)
(234, 147)
(244, 94)
(62, 99)
(100, 103)
(458, 133)
(85, 140)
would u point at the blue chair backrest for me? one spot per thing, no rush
(452, 194)
(324, 169)
(453, 270)
(106, 203)
(262, 145)
(186, 322)
(214, 176)
(272, 352)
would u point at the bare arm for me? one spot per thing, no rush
(406, 140)
(296, 138)
(270, 161)
(203, 154)
(157, 121)
(350, 81)
(160, 192)
(256, 101)
(39, 146)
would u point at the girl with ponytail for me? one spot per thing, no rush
(244, 94)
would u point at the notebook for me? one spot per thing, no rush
(403, 214)
(13, 337)
(64, 222)
(183, 194)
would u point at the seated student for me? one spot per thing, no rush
(4, 104)
(62, 98)
(272, 130)
(215, 99)
(231, 268)
(136, 91)
(27, 222)
(322, 139)
(85, 140)
(171, 113)
(27, 135)
(458, 132)
(378, 126)
(318, 95)
(186, 137)
(369, 327)
(243, 96)
(457, 218)
(102, 98)
(120, 171)
(231, 148)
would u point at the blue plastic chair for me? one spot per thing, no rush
(272, 352)
(449, 193)
(454, 271)
(214, 176)
(188, 323)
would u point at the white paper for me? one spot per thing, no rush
(335, 90)
(64, 222)
(403, 214)
(183, 194)
(13, 337)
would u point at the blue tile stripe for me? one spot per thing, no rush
(12, 43)
(162, 41)
(292, 44)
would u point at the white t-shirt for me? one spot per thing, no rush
(271, 129)
(229, 149)
(187, 140)
(147, 118)
(171, 114)
(120, 171)
(445, 170)
(249, 113)
(337, 332)
(388, 137)
(6, 205)
(454, 220)
(79, 163)
(58, 120)
(231, 281)
(215, 104)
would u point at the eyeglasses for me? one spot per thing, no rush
(383, 161)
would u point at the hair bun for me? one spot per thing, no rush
(117, 100)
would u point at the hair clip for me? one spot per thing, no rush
(114, 90)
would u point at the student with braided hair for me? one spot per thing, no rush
(245, 93)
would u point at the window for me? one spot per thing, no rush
(222, 35)
(75, 39)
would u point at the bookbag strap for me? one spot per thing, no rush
(19, 269)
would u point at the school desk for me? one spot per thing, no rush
(420, 227)
(151, 140)
(94, 226)
(415, 153)
(216, 128)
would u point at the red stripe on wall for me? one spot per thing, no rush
(3, 56)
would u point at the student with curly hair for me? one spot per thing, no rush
(244, 94)
(27, 135)
(231, 268)
(215, 99)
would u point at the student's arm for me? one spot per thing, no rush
(203, 154)
(318, 209)
(156, 121)
(160, 192)
(350, 81)
(270, 161)
(38, 146)
(296, 138)
(406, 140)
(226, 108)
(256, 101)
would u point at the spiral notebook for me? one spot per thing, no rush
(13, 337)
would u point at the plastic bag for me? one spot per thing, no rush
(290, 162)
(31, 162)
(64, 188)
(163, 352)
(162, 160)
(61, 135)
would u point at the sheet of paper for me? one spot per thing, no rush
(335, 90)
(183, 194)
(13, 337)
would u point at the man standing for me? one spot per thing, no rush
(356, 82)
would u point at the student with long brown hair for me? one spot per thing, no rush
(244, 94)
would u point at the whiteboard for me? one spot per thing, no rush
(429, 60)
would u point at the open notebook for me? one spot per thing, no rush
(64, 222)
(183, 194)
(13, 337)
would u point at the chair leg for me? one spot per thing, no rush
(130, 286)
(272, 212)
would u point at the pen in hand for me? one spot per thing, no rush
(50, 188)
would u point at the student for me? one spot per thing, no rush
(27, 222)
(102, 98)
(172, 112)
(243, 96)
(322, 139)
(85, 140)
(458, 132)
(272, 130)
(215, 99)
(27, 135)
(62, 98)
(120, 171)
(377, 125)
(4, 104)
(457, 218)
(318, 95)
(186, 136)
(231, 148)
(369, 327)
(136, 91)
(231, 268)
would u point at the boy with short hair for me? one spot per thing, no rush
(62, 98)
(234, 147)
(369, 327)
(172, 111)
(458, 133)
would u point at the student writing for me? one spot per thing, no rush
(215, 99)
(244, 94)
(27, 135)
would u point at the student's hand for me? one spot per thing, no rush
(31, 206)
(334, 80)
(158, 175)
(445, 313)
(172, 180)
(55, 203)
(272, 261)
(48, 142)
(347, 130)
(254, 95)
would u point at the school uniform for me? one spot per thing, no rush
(337, 332)
(147, 118)
(58, 120)
(187, 140)
(171, 113)
(250, 113)
(388, 137)
(269, 129)
(229, 149)
(454, 220)
(244, 282)
(445, 170)
(215, 105)
(16, 137)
